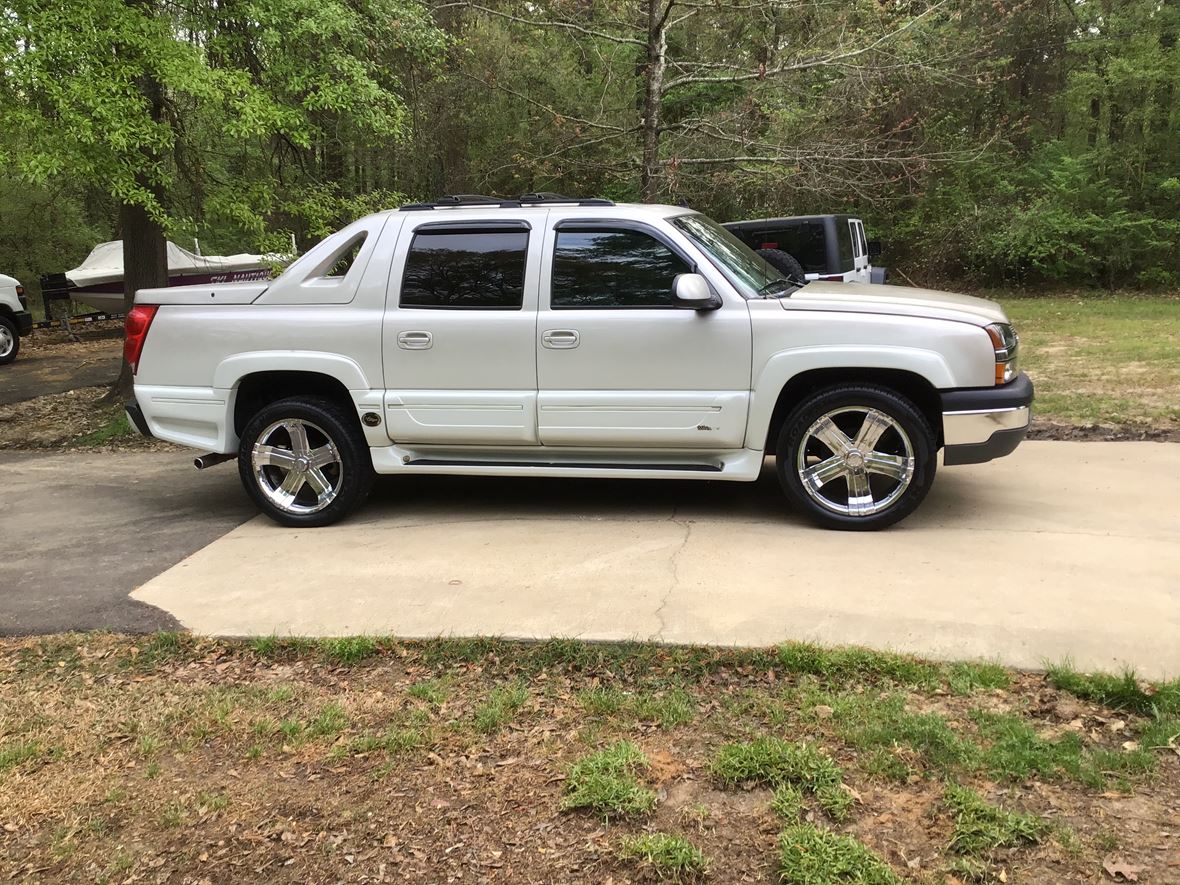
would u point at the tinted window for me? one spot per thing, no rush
(806, 242)
(347, 257)
(617, 268)
(465, 269)
(844, 239)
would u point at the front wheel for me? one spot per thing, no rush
(304, 462)
(856, 457)
(9, 341)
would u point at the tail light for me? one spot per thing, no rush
(20, 290)
(135, 329)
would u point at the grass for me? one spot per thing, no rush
(981, 828)
(433, 691)
(668, 709)
(853, 663)
(772, 762)
(114, 428)
(607, 782)
(809, 855)
(665, 855)
(787, 802)
(501, 705)
(17, 753)
(1102, 359)
(1121, 692)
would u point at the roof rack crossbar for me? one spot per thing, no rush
(453, 201)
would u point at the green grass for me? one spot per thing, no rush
(836, 801)
(787, 802)
(607, 782)
(772, 762)
(349, 650)
(501, 705)
(1112, 360)
(969, 677)
(847, 664)
(115, 427)
(668, 708)
(1015, 752)
(433, 691)
(665, 855)
(981, 828)
(1121, 692)
(809, 855)
(18, 753)
(871, 722)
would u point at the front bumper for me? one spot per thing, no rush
(982, 423)
(24, 322)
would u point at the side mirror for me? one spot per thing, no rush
(692, 291)
(874, 248)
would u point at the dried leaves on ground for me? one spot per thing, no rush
(171, 759)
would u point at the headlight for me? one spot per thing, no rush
(1006, 343)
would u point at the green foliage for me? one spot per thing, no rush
(847, 663)
(981, 827)
(607, 782)
(787, 802)
(667, 708)
(809, 855)
(665, 855)
(872, 722)
(499, 708)
(772, 762)
(1121, 692)
(349, 650)
(16, 753)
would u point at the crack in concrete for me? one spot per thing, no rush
(659, 612)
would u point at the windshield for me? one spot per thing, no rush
(743, 267)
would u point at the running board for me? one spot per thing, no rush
(561, 465)
(741, 464)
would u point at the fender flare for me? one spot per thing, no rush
(233, 369)
(782, 367)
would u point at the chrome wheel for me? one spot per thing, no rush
(7, 340)
(297, 466)
(855, 461)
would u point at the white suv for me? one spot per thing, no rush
(557, 337)
(15, 319)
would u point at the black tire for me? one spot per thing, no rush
(784, 263)
(325, 423)
(9, 341)
(897, 497)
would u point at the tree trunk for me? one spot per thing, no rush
(657, 47)
(145, 249)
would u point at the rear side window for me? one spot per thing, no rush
(844, 241)
(612, 269)
(465, 269)
(806, 242)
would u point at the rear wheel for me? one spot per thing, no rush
(9, 341)
(304, 462)
(856, 457)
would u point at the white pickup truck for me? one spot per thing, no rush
(15, 319)
(554, 337)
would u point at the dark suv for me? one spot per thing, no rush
(827, 247)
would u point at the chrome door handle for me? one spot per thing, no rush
(559, 339)
(414, 340)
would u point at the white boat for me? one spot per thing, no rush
(98, 281)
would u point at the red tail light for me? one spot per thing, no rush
(135, 329)
(20, 290)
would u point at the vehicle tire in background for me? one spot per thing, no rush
(856, 457)
(305, 462)
(785, 264)
(9, 341)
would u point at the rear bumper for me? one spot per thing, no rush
(980, 424)
(135, 416)
(24, 323)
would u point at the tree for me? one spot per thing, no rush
(243, 111)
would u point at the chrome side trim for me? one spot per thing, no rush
(966, 428)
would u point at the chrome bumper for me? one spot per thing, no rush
(986, 423)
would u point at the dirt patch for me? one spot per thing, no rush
(1095, 432)
(75, 419)
(168, 759)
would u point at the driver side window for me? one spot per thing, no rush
(612, 269)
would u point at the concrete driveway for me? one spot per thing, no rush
(81, 531)
(1062, 550)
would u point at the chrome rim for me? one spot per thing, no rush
(6, 340)
(855, 461)
(297, 466)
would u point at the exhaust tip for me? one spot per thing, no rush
(203, 461)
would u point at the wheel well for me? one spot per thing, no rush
(263, 388)
(912, 386)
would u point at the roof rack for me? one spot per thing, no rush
(454, 201)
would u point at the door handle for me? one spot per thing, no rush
(559, 339)
(414, 340)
